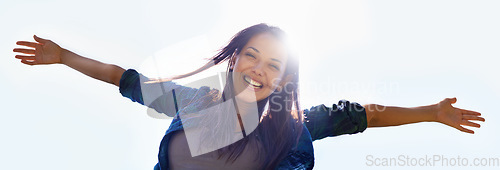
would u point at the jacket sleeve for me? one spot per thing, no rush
(343, 118)
(165, 97)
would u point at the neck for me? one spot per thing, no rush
(246, 119)
(249, 114)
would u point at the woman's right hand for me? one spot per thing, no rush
(44, 52)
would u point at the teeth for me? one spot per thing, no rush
(252, 82)
(255, 83)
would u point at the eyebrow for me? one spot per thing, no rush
(254, 49)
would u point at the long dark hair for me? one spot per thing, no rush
(281, 124)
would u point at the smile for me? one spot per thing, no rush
(252, 82)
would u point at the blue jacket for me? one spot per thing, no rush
(320, 121)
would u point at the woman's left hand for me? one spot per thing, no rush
(455, 117)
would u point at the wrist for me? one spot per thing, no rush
(63, 56)
(428, 113)
(434, 110)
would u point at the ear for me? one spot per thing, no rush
(232, 62)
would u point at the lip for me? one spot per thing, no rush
(250, 86)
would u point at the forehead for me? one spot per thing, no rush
(268, 46)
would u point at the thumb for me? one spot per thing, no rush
(40, 40)
(452, 100)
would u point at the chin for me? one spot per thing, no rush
(242, 97)
(250, 96)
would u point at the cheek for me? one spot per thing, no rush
(274, 82)
(239, 64)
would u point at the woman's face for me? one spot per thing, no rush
(259, 67)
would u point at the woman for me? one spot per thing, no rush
(211, 130)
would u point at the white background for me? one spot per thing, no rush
(402, 53)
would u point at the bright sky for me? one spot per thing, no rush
(402, 53)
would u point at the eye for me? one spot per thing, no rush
(250, 55)
(275, 67)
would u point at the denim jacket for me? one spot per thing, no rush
(320, 121)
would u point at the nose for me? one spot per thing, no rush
(257, 69)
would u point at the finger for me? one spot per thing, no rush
(469, 123)
(25, 57)
(465, 130)
(28, 62)
(28, 44)
(471, 117)
(25, 51)
(470, 112)
(40, 40)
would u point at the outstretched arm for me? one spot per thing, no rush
(44, 51)
(443, 112)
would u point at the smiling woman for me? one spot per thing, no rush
(260, 64)
(211, 129)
